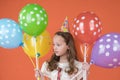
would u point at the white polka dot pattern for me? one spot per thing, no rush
(87, 27)
(33, 19)
(106, 51)
(10, 33)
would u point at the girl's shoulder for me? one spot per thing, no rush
(45, 64)
(78, 63)
(44, 69)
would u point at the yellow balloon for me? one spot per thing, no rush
(43, 44)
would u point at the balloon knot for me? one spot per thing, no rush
(38, 54)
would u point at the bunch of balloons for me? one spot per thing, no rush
(86, 29)
(105, 52)
(33, 21)
(34, 39)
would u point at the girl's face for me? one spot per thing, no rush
(59, 45)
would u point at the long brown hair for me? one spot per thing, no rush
(52, 63)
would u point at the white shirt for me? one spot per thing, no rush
(64, 76)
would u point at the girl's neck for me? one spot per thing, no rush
(63, 59)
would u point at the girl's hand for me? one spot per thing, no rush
(37, 73)
(85, 66)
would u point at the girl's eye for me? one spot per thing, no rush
(58, 44)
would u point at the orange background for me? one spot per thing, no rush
(15, 64)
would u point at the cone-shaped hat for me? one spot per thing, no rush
(65, 25)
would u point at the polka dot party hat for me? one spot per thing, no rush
(65, 25)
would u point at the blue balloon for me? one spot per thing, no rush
(10, 33)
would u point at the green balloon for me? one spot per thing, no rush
(33, 19)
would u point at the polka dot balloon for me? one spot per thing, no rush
(106, 51)
(33, 19)
(10, 34)
(87, 27)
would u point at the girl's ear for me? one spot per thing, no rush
(68, 47)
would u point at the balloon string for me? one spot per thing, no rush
(31, 61)
(30, 58)
(75, 76)
(82, 51)
(85, 51)
(84, 71)
(37, 61)
(37, 58)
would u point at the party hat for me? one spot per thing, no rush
(65, 25)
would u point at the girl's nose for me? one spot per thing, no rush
(54, 48)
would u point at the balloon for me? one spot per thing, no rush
(106, 51)
(43, 43)
(10, 33)
(33, 19)
(87, 27)
(80, 51)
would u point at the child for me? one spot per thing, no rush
(63, 64)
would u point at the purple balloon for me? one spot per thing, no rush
(106, 51)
